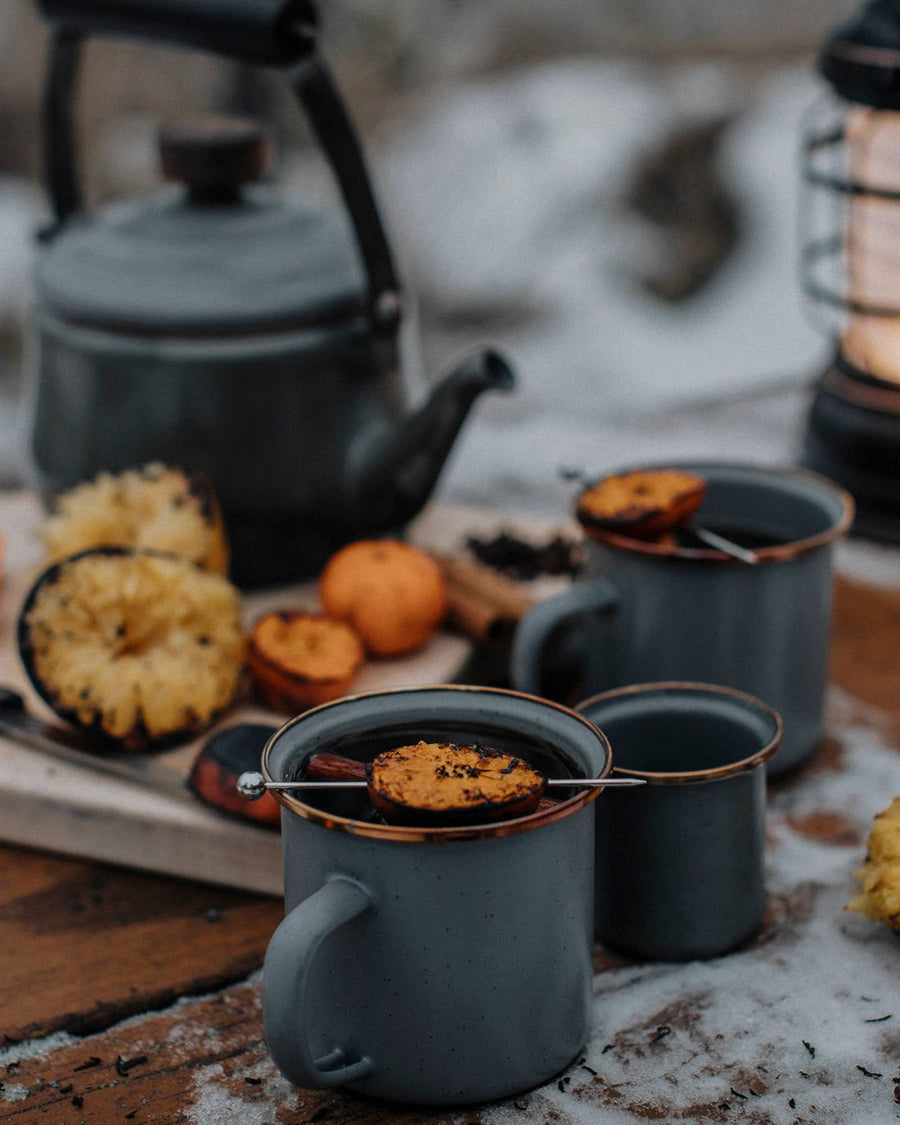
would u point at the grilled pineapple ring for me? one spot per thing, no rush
(140, 647)
(879, 877)
(154, 507)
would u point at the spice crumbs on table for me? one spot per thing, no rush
(89, 1065)
(124, 1065)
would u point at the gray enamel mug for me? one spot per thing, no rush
(433, 965)
(648, 611)
(680, 861)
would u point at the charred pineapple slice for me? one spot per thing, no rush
(154, 507)
(879, 877)
(143, 648)
(441, 783)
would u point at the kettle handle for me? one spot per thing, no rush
(264, 32)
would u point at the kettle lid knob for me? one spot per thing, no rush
(213, 155)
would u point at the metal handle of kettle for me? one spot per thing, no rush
(264, 32)
(269, 32)
(334, 131)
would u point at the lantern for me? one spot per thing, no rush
(851, 263)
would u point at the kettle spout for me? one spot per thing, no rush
(399, 472)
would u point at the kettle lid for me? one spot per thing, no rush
(216, 256)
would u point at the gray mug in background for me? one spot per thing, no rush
(433, 965)
(680, 864)
(692, 613)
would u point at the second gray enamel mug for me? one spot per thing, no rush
(648, 611)
(679, 870)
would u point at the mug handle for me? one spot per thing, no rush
(535, 627)
(286, 973)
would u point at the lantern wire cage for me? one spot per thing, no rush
(850, 230)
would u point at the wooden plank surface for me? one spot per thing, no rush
(86, 944)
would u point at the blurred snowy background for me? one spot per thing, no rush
(606, 191)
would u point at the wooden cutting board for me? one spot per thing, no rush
(55, 806)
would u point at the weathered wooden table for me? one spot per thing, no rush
(131, 997)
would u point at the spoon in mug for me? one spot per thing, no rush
(720, 543)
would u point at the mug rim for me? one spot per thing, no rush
(779, 552)
(397, 832)
(687, 687)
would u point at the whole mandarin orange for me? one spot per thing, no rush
(392, 594)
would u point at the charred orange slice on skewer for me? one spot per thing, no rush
(441, 783)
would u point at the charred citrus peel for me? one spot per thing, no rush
(223, 758)
(643, 504)
(300, 660)
(443, 784)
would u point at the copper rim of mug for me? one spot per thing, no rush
(396, 832)
(690, 777)
(780, 552)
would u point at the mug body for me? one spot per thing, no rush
(680, 861)
(467, 975)
(698, 615)
(470, 978)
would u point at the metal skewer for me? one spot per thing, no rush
(594, 782)
(253, 785)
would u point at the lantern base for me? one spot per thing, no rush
(853, 438)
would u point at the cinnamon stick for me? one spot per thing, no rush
(482, 604)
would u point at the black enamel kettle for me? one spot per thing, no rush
(221, 327)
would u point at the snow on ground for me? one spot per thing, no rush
(505, 194)
(20, 210)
